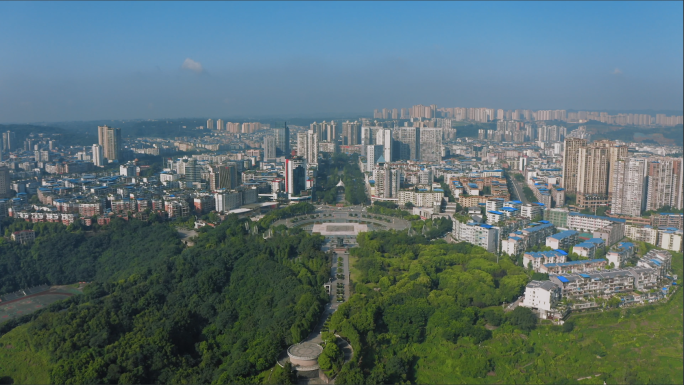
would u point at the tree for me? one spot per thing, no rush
(523, 318)
(350, 374)
(568, 326)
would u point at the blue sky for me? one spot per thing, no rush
(119, 60)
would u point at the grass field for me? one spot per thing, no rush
(38, 301)
(20, 362)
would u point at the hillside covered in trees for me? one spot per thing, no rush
(430, 312)
(219, 312)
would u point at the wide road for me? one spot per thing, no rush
(518, 190)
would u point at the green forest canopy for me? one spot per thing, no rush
(219, 312)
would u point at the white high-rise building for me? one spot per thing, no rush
(307, 146)
(384, 137)
(629, 194)
(373, 154)
(219, 124)
(210, 124)
(98, 155)
(295, 176)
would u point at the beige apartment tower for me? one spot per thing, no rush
(570, 163)
(592, 176)
(110, 140)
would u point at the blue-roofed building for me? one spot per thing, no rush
(563, 240)
(494, 217)
(538, 258)
(482, 235)
(574, 266)
(585, 249)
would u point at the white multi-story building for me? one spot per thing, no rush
(539, 258)
(387, 182)
(531, 210)
(495, 204)
(563, 240)
(645, 233)
(485, 236)
(227, 200)
(541, 295)
(421, 199)
(670, 239)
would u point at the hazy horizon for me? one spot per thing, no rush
(128, 61)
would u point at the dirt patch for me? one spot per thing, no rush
(492, 373)
(490, 327)
(9, 346)
(523, 336)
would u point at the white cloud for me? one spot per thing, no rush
(617, 72)
(192, 65)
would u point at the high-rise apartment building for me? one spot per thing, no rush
(210, 124)
(570, 163)
(430, 144)
(351, 133)
(223, 176)
(295, 176)
(615, 153)
(384, 138)
(408, 141)
(4, 182)
(327, 132)
(98, 155)
(219, 124)
(664, 183)
(282, 137)
(373, 155)
(192, 171)
(110, 140)
(387, 182)
(592, 176)
(234, 128)
(8, 141)
(307, 146)
(629, 186)
(250, 127)
(269, 148)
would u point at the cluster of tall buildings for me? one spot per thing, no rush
(603, 172)
(235, 128)
(484, 115)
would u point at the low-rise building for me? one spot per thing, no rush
(563, 240)
(541, 295)
(24, 236)
(482, 235)
(589, 248)
(536, 259)
(646, 233)
(606, 283)
(570, 267)
(670, 239)
(620, 253)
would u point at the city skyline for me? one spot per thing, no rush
(154, 68)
